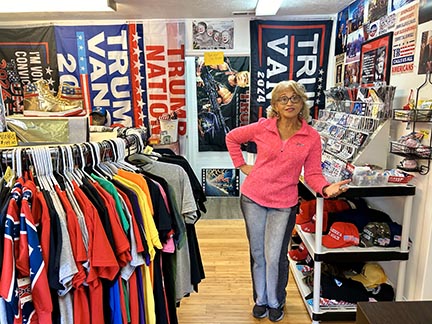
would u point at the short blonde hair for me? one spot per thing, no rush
(299, 90)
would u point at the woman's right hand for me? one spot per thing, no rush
(246, 168)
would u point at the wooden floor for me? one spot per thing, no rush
(225, 295)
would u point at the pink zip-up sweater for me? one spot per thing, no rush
(278, 165)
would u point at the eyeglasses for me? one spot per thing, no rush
(294, 99)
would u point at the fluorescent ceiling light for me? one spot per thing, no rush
(267, 7)
(57, 6)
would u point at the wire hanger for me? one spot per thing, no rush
(108, 165)
(96, 165)
(72, 168)
(121, 153)
(82, 165)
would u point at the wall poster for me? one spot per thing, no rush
(340, 69)
(375, 60)
(222, 100)
(213, 34)
(221, 182)
(425, 64)
(404, 42)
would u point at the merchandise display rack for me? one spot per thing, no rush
(418, 112)
(353, 134)
(319, 254)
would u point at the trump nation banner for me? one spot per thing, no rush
(288, 50)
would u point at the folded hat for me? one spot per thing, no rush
(375, 234)
(341, 235)
(376, 215)
(371, 276)
(307, 261)
(299, 253)
(343, 289)
(383, 292)
(309, 227)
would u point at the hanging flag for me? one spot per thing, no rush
(96, 58)
(287, 50)
(26, 55)
(165, 70)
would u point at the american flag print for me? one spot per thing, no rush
(83, 71)
(164, 44)
(70, 92)
(138, 79)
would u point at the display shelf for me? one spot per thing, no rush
(376, 120)
(303, 289)
(418, 153)
(422, 113)
(412, 115)
(341, 313)
(319, 253)
(350, 254)
(390, 190)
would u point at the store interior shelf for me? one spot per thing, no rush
(326, 313)
(303, 289)
(390, 190)
(421, 152)
(410, 115)
(352, 253)
(320, 254)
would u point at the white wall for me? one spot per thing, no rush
(418, 284)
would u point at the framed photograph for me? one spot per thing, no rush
(221, 182)
(213, 34)
(375, 60)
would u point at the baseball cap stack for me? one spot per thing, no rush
(306, 217)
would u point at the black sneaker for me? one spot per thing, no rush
(276, 314)
(259, 311)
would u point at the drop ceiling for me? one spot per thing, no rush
(183, 9)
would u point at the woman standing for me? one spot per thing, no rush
(286, 144)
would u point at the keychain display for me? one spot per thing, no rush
(351, 116)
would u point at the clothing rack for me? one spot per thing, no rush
(134, 140)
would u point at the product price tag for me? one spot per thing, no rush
(8, 139)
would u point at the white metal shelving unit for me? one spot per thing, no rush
(321, 254)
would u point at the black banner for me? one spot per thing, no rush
(284, 50)
(26, 55)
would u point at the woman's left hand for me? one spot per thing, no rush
(335, 189)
